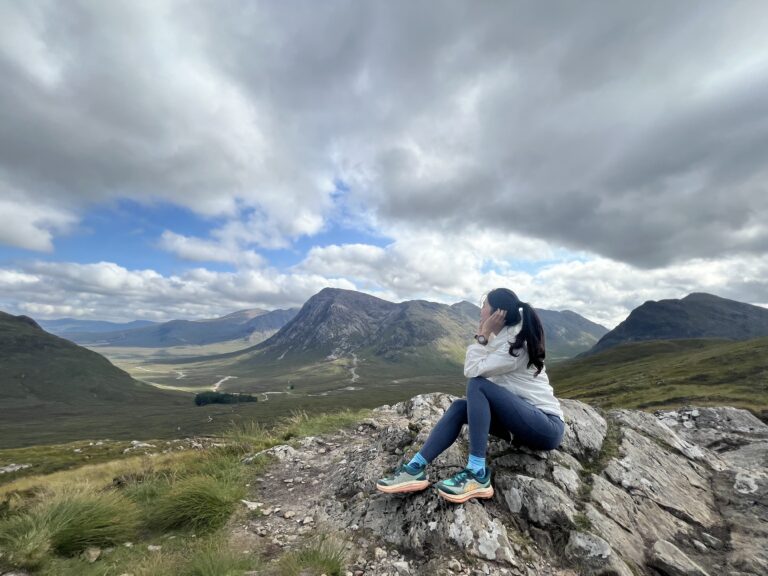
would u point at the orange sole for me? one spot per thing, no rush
(460, 499)
(413, 487)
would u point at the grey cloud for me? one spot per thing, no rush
(630, 130)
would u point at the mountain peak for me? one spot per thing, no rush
(697, 315)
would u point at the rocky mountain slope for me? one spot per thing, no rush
(627, 493)
(698, 315)
(336, 321)
(244, 324)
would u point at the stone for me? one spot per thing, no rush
(584, 432)
(91, 554)
(401, 567)
(668, 558)
(593, 555)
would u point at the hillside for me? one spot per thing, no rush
(698, 315)
(670, 373)
(52, 390)
(248, 325)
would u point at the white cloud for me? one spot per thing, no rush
(201, 250)
(30, 225)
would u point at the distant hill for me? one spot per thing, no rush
(65, 326)
(250, 325)
(669, 374)
(698, 315)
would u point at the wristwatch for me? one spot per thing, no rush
(481, 339)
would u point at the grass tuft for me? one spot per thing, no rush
(322, 555)
(66, 523)
(201, 503)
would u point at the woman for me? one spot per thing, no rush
(508, 392)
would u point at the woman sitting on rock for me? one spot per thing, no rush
(508, 392)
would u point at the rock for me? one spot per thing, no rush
(668, 558)
(91, 554)
(585, 430)
(13, 468)
(537, 500)
(593, 555)
(154, 548)
(251, 505)
(566, 479)
(402, 567)
(560, 512)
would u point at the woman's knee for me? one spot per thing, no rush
(476, 382)
(459, 406)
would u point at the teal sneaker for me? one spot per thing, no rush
(403, 479)
(465, 485)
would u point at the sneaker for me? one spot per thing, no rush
(465, 485)
(403, 479)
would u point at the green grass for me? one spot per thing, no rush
(670, 374)
(320, 556)
(66, 523)
(201, 503)
(179, 500)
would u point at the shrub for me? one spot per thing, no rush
(201, 503)
(66, 523)
(320, 556)
(215, 559)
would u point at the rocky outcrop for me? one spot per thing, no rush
(627, 493)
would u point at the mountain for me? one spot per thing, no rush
(345, 335)
(567, 333)
(52, 390)
(336, 322)
(250, 325)
(65, 326)
(698, 315)
(36, 366)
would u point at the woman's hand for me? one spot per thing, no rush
(494, 323)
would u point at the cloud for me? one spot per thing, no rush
(201, 250)
(105, 290)
(31, 226)
(631, 131)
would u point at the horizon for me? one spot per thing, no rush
(151, 168)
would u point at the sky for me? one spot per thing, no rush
(185, 159)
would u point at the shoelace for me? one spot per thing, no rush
(463, 475)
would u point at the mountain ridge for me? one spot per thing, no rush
(697, 315)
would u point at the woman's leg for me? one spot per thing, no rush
(529, 425)
(445, 431)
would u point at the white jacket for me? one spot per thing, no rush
(494, 362)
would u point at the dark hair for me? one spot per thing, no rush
(532, 333)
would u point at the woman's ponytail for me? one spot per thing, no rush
(532, 335)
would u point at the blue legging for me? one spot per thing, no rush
(490, 408)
